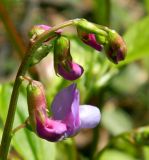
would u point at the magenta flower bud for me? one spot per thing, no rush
(70, 70)
(37, 30)
(63, 62)
(115, 48)
(89, 39)
(87, 32)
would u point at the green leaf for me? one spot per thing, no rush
(146, 4)
(115, 120)
(137, 41)
(112, 154)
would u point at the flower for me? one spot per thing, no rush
(68, 117)
(63, 62)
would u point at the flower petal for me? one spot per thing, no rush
(89, 116)
(73, 72)
(51, 130)
(62, 102)
(90, 40)
(65, 107)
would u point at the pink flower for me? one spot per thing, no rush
(68, 116)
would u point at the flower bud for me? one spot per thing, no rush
(115, 48)
(37, 30)
(36, 103)
(63, 63)
(87, 32)
(89, 39)
(70, 70)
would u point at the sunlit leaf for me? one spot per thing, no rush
(137, 41)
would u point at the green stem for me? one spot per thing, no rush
(7, 134)
(18, 128)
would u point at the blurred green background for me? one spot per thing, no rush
(120, 91)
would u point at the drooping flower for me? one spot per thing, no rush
(68, 117)
(99, 37)
(63, 62)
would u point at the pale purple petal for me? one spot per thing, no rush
(72, 119)
(65, 107)
(62, 102)
(89, 116)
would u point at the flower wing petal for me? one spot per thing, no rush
(62, 102)
(89, 116)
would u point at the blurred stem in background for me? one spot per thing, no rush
(14, 36)
(11, 30)
(101, 11)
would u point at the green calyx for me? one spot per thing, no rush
(88, 27)
(36, 103)
(40, 53)
(61, 49)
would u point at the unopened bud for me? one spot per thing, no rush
(115, 48)
(63, 63)
(37, 30)
(88, 31)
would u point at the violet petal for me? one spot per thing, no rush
(65, 107)
(74, 71)
(51, 130)
(62, 102)
(89, 116)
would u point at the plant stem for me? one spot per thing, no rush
(18, 128)
(7, 133)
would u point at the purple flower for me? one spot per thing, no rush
(90, 39)
(63, 62)
(68, 117)
(70, 70)
(66, 108)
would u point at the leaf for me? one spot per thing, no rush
(146, 4)
(137, 41)
(112, 154)
(115, 120)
